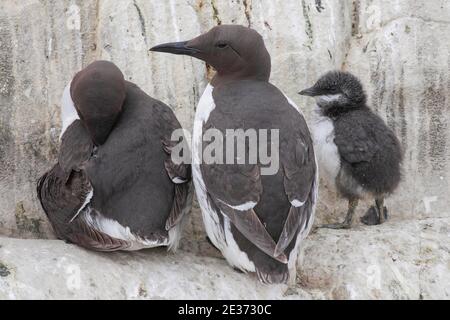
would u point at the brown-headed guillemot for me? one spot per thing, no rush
(257, 220)
(115, 186)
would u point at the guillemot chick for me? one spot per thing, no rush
(115, 186)
(357, 151)
(256, 219)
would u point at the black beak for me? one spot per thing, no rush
(176, 48)
(308, 92)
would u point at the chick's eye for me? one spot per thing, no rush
(333, 89)
(221, 45)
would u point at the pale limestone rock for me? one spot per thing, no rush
(399, 260)
(41, 45)
(49, 269)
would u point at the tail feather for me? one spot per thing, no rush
(273, 277)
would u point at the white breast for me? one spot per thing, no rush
(326, 150)
(293, 104)
(206, 105)
(68, 112)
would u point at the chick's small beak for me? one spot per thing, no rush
(176, 48)
(308, 92)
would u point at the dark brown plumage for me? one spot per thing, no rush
(112, 187)
(256, 220)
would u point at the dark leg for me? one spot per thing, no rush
(376, 214)
(382, 216)
(347, 224)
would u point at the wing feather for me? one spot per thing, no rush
(180, 174)
(354, 143)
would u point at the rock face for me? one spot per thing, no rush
(399, 49)
(49, 269)
(399, 261)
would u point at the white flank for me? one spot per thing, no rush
(297, 203)
(210, 216)
(222, 240)
(118, 231)
(233, 254)
(68, 112)
(242, 207)
(326, 150)
(86, 202)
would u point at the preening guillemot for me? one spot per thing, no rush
(115, 186)
(257, 221)
(358, 152)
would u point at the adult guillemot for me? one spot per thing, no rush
(356, 149)
(257, 221)
(115, 186)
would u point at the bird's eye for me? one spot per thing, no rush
(333, 89)
(221, 45)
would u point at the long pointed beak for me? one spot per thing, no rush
(176, 48)
(308, 92)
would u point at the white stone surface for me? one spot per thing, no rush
(399, 260)
(51, 269)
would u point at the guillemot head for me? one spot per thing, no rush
(98, 93)
(337, 89)
(236, 52)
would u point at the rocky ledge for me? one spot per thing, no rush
(398, 260)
